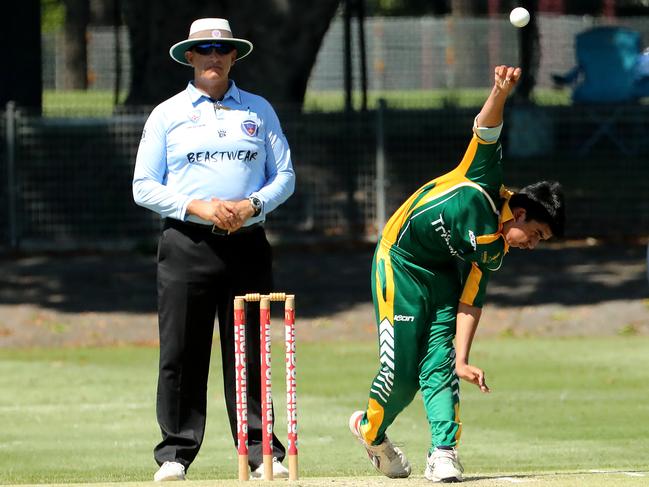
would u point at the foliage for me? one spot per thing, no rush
(286, 43)
(52, 15)
(390, 8)
(441, 7)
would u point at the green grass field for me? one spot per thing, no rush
(97, 103)
(328, 101)
(560, 408)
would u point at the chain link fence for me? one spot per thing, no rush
(66, 181)
(69, 183)
(403, 53)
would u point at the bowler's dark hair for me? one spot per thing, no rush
(543, 202)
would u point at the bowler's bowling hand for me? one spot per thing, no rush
(472, 374)
(506, 77)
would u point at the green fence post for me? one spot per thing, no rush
(380, 167)
(10, 138)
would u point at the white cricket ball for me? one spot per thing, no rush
(519, 17)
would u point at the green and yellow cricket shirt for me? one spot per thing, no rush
(456, 220)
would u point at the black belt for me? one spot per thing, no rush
(212, 230)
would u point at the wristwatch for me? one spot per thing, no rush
(256, 205)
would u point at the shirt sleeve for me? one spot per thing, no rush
(482, 162)
(475, 279)
(280, 176)
(487, 134)
(150, 175)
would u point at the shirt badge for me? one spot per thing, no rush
(249, 127)
(222, 132)
(195, 116)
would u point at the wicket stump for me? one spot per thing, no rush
(266, 382)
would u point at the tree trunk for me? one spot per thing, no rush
(102, 12)
(77, 16)
(530, 53)
(286, 43)
(466, 8)
(20, 39)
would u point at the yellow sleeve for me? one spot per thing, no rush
(475, 286)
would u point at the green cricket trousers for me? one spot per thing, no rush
(416, 315)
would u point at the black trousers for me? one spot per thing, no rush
(199, 274)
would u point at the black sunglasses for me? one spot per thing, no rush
(209, 47)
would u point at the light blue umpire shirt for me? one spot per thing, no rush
(194, 147)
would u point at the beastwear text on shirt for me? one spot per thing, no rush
(217, 156)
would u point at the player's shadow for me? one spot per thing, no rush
(571, 275)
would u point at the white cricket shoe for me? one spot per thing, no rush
(386, 457)
(170, 471)
(279, 471)
(443, 466)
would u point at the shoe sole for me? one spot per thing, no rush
(173, 478)
(447, 480)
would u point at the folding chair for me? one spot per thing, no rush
(605, 74)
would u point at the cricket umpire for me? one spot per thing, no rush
(213, 162)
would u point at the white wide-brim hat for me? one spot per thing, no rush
(205, 30)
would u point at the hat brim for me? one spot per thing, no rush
(177, 51)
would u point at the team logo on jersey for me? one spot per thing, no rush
(222, 133)
(495, 257)
(195, 116)
(490, 259)
(249, 127)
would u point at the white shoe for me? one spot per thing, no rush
(443, 466)
(386, 457)
(279, 471)
(170, 471)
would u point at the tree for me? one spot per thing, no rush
(530, 53)
(20, 39)
(407, 7)
(286, 37)
(102, 12)
(77, 16)
(467, 8)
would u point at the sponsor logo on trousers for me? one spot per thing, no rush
(404, 318)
